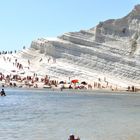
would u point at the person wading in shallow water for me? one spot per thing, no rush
(2, 92)
(72, 137)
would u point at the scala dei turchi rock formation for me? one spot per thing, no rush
(110, 50)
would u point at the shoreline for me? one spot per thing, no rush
(23, 74)
(98, 91)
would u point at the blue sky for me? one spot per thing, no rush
(22, 21)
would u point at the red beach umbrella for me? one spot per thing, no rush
(74, 81)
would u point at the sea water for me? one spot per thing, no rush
(54, 115)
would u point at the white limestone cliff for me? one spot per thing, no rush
(111, 49)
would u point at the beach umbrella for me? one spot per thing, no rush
(74, 81)
(84, 83)
(61, 82)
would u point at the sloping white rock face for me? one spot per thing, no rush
(111, 49)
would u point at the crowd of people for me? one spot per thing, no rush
(22, 79)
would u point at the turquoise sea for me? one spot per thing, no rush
(54, 115)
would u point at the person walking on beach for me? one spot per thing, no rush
(3, 92)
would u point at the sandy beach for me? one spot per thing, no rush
(28, 73)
